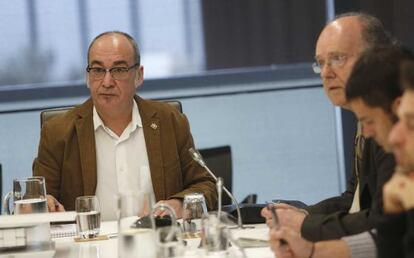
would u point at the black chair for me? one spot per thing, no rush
(52, 112)
(218, 159)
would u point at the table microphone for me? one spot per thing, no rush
(199, 159)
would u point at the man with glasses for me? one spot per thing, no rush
(374, 93)
(118, 142)
(338, 47)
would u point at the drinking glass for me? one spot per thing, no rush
(136, 226)
(194, 207)
(169, 236)
(88, 216)
(29, 196)
(215, 233)
(169, 242)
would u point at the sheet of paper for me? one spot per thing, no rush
(62, 230)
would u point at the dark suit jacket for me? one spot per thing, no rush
(67, 157)
(396, 235)
(329, 219)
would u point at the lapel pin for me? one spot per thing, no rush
(154, 126)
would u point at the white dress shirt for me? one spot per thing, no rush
(122, 162)
(359, 150)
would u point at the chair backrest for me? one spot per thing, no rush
(176, 104)
(218, 159)
(52, 112)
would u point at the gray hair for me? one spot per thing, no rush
(373, 31)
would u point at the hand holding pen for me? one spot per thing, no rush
(275, 220)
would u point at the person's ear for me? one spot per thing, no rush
(139, 78)
(87, 80)
(395, 104)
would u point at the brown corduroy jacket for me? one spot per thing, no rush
(67, 156)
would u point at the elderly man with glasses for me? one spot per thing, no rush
(118, 142)
(338, 48)
(374, 92)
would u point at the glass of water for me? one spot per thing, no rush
(136, 227)
(216, 235)
(169, 242)
(88, 216)
(29, 196)
(194, 209)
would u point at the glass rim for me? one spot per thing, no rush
(86, 197)
(31, 179)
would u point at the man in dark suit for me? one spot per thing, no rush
(396, 228)
(374, 93)
(338, 47)
(118, 142)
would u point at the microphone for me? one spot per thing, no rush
(199, 159)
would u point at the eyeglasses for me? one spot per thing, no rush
(118, 73)
(334, 61)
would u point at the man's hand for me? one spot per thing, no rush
(268, 215)
(295, 246)
(398, 193)
(53, 205)
(176, 204)
(289, 216)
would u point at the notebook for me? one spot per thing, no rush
(62, 230)
(62, 224)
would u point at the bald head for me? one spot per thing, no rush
(344, 35)
(118, 34)
(338, 47)
(373, 31)
(340, 44)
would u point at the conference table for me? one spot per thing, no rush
(66, 247)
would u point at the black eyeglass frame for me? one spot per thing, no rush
(123, 71)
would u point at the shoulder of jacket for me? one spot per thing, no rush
(64, 121)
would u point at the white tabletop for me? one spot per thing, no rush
(67, 247)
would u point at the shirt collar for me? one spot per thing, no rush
(136, 118)
(135, 122)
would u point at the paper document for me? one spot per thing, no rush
(62, 230)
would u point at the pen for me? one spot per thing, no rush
(275, 220)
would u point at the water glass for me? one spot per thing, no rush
(194, 208)
(29, 196)
(169, 242)
(215, 233)
(136, 226)
(88, 216)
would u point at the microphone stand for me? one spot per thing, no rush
(199, 159)
(219, 186)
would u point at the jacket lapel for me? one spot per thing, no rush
(151, 126)
(86, 142)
